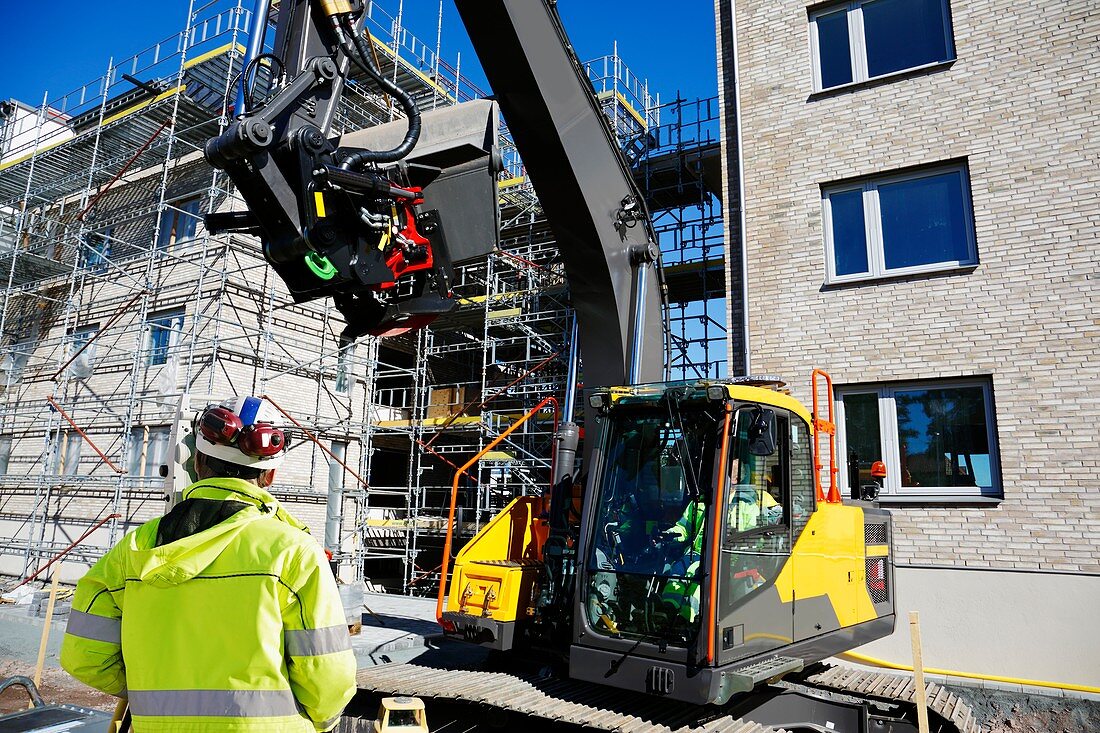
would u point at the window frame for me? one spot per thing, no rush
(93, 257)
(147, 468)
(872, 225)
(890, 444)
(76, 339)
(171, 218)
(156, 321)
(857, 45)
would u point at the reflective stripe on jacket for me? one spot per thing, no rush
(238, 627)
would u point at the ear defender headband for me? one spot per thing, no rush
(222, 426)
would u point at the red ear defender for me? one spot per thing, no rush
(220, 426)
(261, 440)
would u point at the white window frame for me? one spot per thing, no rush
(891, 446)
(872, 226)
(154, 444)
(83, 365)
(857, 44)
(174, 214)
(155, 321)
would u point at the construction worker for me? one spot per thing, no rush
(221, 615)
(681, 592)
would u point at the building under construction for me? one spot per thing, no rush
(117, 302)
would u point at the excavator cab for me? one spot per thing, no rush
(709, 560)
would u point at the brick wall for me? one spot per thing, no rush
(1019, 105)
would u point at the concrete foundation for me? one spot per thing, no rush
(1028, 625)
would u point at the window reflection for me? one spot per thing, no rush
(943, 437)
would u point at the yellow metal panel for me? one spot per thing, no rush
(216, 52)
(828, 560)
(768, 397)
(499, 591)
(509, 182)
(878, 550)
(626, 105)
(319, 203)
(130, 110)
(36, 151)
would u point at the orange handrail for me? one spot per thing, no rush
(828, 427)
(99, 332)
(66, 551)
(719, 504)
(454, 495)
(84, 436)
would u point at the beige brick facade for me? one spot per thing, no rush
(1019, 106)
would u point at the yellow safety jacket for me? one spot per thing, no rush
(236, 625)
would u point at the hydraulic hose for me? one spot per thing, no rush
(408, 104)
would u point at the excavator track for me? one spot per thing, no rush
(895, 688)
(562, 701)
(608, 709)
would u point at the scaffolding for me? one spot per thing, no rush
(117, 301)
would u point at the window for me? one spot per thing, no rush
(69, 459)
(96, 252)
(756, 497)
(5, 453)
(179, 222)
(345, 376)
(901, 224)
(858, 41)
(15, 361)
(164, 333)
(79, 338)
(148, 451)
(937, 439)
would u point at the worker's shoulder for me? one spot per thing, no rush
(280, 538)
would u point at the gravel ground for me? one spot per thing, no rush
(1013, 712)
(57, 687)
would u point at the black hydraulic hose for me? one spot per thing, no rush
(412, 112)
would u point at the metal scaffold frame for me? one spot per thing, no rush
(117, 301)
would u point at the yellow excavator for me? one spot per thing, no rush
(690, 566)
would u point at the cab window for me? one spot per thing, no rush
(756, 498)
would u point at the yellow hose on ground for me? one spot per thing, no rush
(875, 662)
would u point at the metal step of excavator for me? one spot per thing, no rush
(745, 678)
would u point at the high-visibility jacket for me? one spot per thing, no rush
(233, 625)
(689, 527)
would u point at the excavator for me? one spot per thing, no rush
(687, 566)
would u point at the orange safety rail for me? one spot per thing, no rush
(318, 443)
(454, 494)
(66, 551)
(85, 437)
(715, 544)
(828, 427)
(122, 171)
(99, 332)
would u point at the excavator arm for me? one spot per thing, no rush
(594, 207)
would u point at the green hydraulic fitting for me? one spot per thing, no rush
(320, 266)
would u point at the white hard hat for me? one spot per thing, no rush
(254, 438)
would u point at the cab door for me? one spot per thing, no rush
(752, 614)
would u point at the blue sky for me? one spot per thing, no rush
(70, 42)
